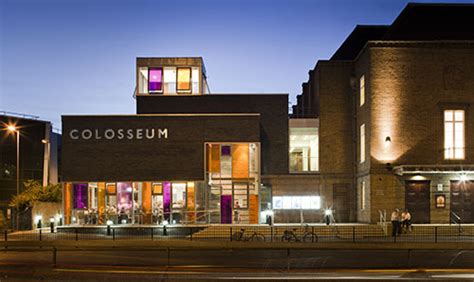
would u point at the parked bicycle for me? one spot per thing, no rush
(241, 236)
(292, 236)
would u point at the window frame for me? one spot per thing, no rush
(188, 90)
(362, 195)
(362, 142)
(160, 91)
(362, 90)
(449, 153)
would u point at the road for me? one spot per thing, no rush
(143, 264)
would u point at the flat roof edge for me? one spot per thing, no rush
(163, 115)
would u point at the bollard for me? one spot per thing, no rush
(191, 233)
(151, 233)
(312, 236)
(230, 234)
(40, 234)
(353, 234)
(436, 234)
(77, 234)
(6, 235)
(113, 234)
(168, 259)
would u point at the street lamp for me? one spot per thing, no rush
(14, 129)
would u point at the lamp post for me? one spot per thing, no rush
(13, 129)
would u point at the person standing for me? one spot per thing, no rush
(395, 219)
(407, 220)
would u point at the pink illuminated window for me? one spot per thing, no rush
(155, 80)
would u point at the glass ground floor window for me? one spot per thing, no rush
(134, 202)
(232, 172)
(228, 194)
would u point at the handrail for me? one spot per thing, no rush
(458, 220)
(134, 94)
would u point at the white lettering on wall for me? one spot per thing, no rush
(163, 133)
(111, 134)
(139, 133)
(120, 134)
(86, 134)
(130, 134)
(73, 134)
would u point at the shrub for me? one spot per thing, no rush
(35, 192)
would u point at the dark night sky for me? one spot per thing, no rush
(78, 57)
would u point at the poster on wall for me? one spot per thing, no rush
(440, 201)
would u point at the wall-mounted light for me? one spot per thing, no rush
(463, 177)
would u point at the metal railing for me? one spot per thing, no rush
(20, 115)
(383, 221)
(321, 233)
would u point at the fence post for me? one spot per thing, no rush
(353, 234)
(436, 234)
(113, 234)
(288, 259)
(54, 257)
(230, 234)
(77, 234)
(271, 234)
(40, 234)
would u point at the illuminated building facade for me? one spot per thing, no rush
(395, 121)
(185, 157)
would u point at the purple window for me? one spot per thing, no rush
(124, 196)
(167, 199)
(226, 209)
(155, 80)
(225, 151)
(80, 195)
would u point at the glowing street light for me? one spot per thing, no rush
(12, 128)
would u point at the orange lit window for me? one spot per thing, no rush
(184, 79)
(111, 188)
(157, 189)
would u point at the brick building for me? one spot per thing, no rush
(395, 122)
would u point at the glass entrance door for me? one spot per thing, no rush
(240, 195)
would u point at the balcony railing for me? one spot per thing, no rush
(297, 164)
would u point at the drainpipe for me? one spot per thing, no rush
(46, 154)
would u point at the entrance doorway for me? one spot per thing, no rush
(417, 200)
(462, 200)
(341, 202)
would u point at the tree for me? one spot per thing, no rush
(35, 192)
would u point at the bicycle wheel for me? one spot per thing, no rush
(310, 237)
(237, 236)
(258, 237)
